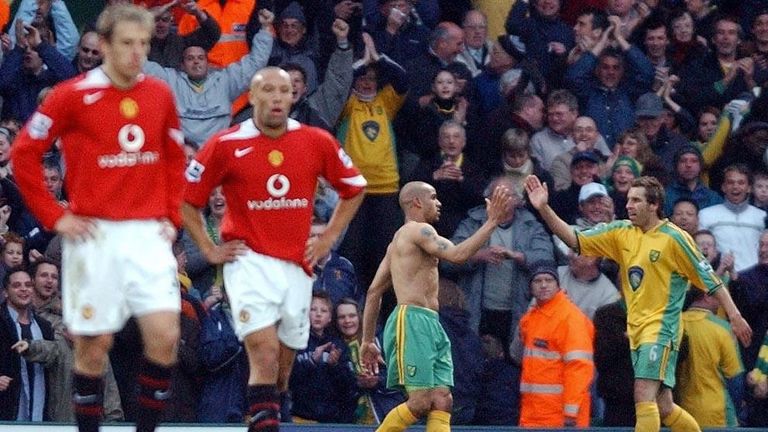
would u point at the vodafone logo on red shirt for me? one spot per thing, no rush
(278, 186)
(131, 139)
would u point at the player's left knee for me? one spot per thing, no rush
(442, 400)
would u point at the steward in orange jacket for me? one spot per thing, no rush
(557, 367)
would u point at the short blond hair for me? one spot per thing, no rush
(112, 15)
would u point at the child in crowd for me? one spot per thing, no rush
(322, 382)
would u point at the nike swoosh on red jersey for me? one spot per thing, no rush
(242, 152)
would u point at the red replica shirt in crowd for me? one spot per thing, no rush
(270, 184)
(122, 150)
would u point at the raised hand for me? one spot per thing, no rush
(340, 29)
(266, 18)
(497, 207)
(538, 193)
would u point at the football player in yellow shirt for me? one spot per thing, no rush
(657, 262)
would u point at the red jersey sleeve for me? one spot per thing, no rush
(176, 159)
(43, 127)
(339, 170)
(204, 173)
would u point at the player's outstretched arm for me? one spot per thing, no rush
(382, 281)
(213, 253)
(739, 325)
(497, 209)
(538, 196)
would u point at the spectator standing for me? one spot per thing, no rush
(750, 293)
(620, 77)
(167, 47)
(557, 366)
(204, 95)
(88, 55)
(613, 364)
(494, 278)
(32, 65)
(477, 46)
(23, 382)
(736, 223)
(687, 181)
(711, 375)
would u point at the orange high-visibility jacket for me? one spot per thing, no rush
(232, 19)
(557, 364)
(5, 13)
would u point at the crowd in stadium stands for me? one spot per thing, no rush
(586, 94)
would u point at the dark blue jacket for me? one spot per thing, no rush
(322, 392)
(338, 279)
(20, 89)
(466, 349)
(612, 110)
(10, 362)
(499, 401)
(222, 398)
(536, 33)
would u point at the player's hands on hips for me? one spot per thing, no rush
(538, 193)
(742, 330)
(371, 357)
(317, 248)
(77, 228)
(498, 206)
(225, 252)
(168, 230)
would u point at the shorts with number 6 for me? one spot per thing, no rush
(655, 362)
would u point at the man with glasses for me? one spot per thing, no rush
(22, 384)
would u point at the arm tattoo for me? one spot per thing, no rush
(427, 232)
(442, 245)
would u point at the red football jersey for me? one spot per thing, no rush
(122, 149)
(270, 183)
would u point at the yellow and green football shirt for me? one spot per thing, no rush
(655, 268)
(713, 357)
(366, 133)
(761, 366)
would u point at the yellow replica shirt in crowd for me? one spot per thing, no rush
(713, 357)
(365, 131)
(655, 268)
(761, 365)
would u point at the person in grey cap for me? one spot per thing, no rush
(664, 142)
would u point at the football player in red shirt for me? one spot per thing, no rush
(121, 140)
(268, 168)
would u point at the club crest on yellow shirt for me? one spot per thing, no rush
(275, 158)
(654, 255)
(129, 108)
(635, 277)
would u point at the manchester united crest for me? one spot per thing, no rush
(275, 158)
(87, 311)
(244, 316)
(129, 108)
